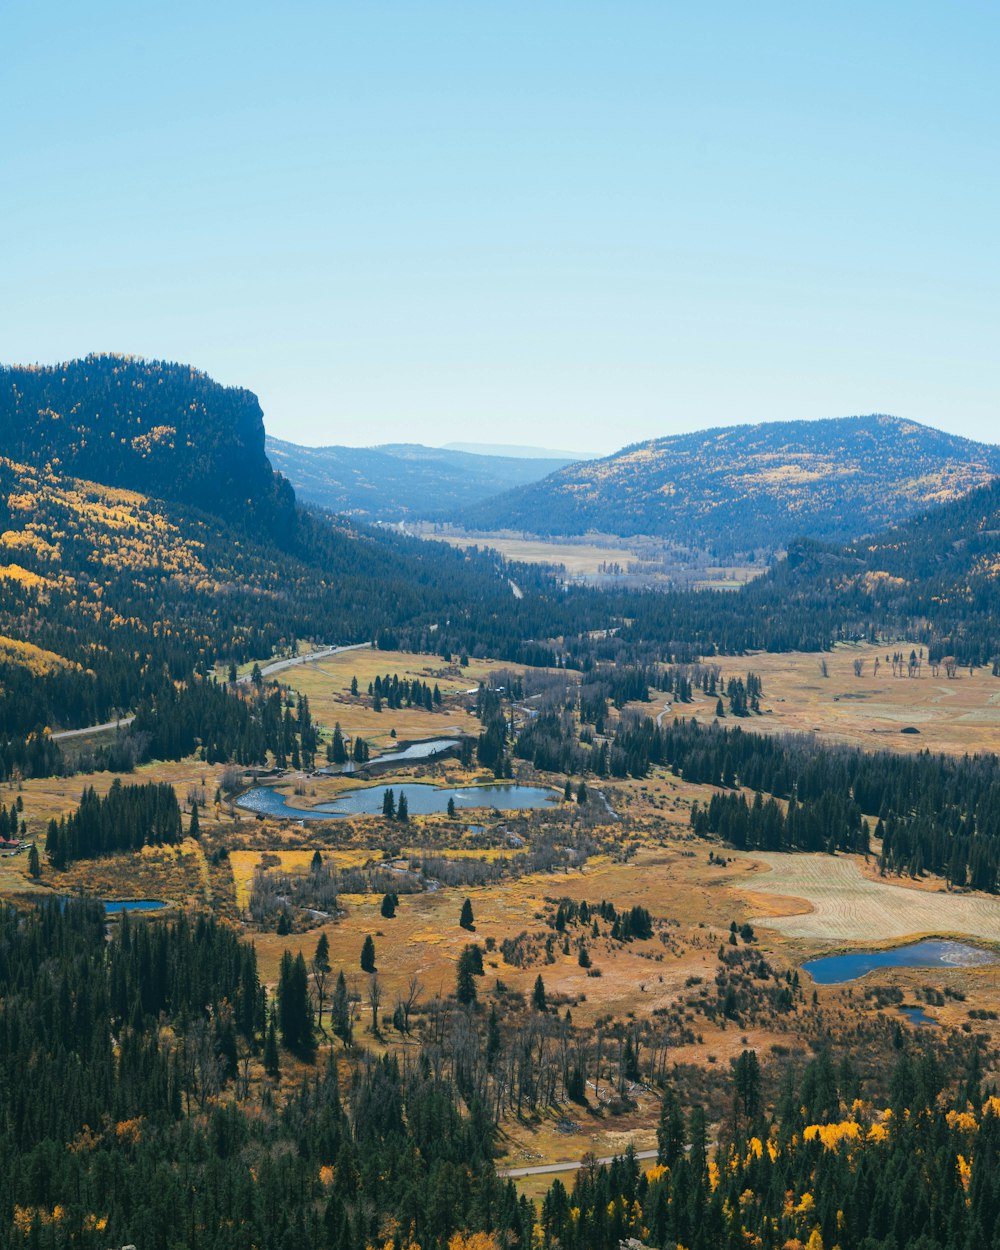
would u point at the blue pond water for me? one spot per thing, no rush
(421, 797)
(917, 1015)
(933, 953)
(132, 904)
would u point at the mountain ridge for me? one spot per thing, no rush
(399, 481)
(732, 489)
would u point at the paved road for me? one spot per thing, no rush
(279, 666)
(542, 1169)
(91, 729)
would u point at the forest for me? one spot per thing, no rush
(115, 1057)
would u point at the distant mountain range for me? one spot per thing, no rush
(750, 488)
(401, 481)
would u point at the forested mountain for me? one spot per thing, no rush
(397, 481)
(748, 488)
(162, 429)
(104, 591)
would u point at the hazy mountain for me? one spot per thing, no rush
(743, 487)
(520, 452)
(397, 481)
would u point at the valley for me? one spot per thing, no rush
(557, 860)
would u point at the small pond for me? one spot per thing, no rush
(917, 1015)
(415, 753)
(933, 953)
(113, 906)
(421, 798)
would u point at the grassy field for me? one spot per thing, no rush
(578, 559)
(957, 714)
(840, 903)
(327, 684)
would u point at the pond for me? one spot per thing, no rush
(113, 906)
(933, 953)
(415, 753)
(421, 797)
(917, 1015)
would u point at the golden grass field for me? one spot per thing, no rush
(842, 904)
(953, 715)
(327, 685)
(578, 559)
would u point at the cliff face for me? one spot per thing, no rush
(163, 429)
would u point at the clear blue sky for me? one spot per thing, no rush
(577, 224)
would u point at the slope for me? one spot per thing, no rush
(752, 488)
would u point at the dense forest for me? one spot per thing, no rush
(162, 429)
(131, 1110)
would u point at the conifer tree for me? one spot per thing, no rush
(368, 954)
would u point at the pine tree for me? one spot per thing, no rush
(402, 808)
(538, 994)
(368, 955)
(466, 920)
(465, 978)
(193, 831)
(34, 864)
(389, 904)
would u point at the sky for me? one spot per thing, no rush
(575, 224)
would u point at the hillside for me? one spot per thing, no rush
(751, 488)
(400, 481)
(163, 429)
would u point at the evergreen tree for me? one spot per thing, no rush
(368, 954)
(34, 863)
(465, 919)
(465, 978)
(538, 994)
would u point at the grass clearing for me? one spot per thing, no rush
(836, 902)
(956, 715)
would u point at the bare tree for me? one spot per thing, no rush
(859, 667)
(374, 999)
(413, 991)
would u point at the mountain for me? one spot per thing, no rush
(751, 487)
(163, 429)
(399, 481)
(164, 559)
(520, 451)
